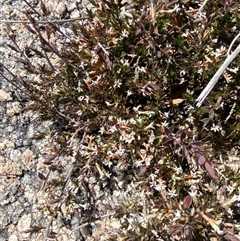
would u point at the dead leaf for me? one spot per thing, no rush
(177, 101)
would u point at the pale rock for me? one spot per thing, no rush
(2, 159)
(13, 237)
(2, 146)
(9, 144)
(7, 9)
(10, 169)
(15, 154)
(13, 108)
(75, 14)
(4, 96)
(24, 224)
(61, 8)
(71, 7)
(27, 157)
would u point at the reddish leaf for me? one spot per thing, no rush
(229, 237)
(142, 171)
(206, 122)
(187, 231)
(41, 176)
(108, 62)
(183, 136)
(219, 100)
(152, 86)
(167, 131)
(41, 185)
(30, 29)
(21, 60)
(13, 47)
(211, 114)
(196, 144)
(48, 162)
(210, 170)
(37, 52)
(201, 159)
(167, 140)
(187, 202)
(180, 134)
(56, 200)
(31, 19)
(54, 48)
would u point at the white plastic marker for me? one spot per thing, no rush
(217, 75)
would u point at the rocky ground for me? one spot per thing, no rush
(25, 213)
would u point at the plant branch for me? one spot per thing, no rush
(217, 75)
(59, 21)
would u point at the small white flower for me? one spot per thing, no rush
(230, 189)
(150, 126)
(200, 71)
(86, 99)
(208, 60)
(237, 198)
(80, 98)
(132, 121)
(107, 174)
(177, 8)
(95, 57)
(230, 211)
(148, 160)
(113, 129)
(172, 193)
(165, 123)
(124, 13)
(166, 114)
(125, 33)
(177, 214)
(129, 92)
(215, 128)
(115, 40)
(235, 70)
(157, 186)
(220, 52)
(125, 62)
(153, 176)
(193, 193)
(141, 69)
(102, 130)
(128, 138)
(117, 84)
(136, 108)
(110, 118)
(178, 170)
(186, 34)
(151, 139)
(120, 151)
(82, 65)
(182, 73)
(155, 233)
(190, 107)
(108, 103)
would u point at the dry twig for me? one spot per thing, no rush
(59, 21)
(217, 75)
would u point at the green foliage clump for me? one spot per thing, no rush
(127, 78)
